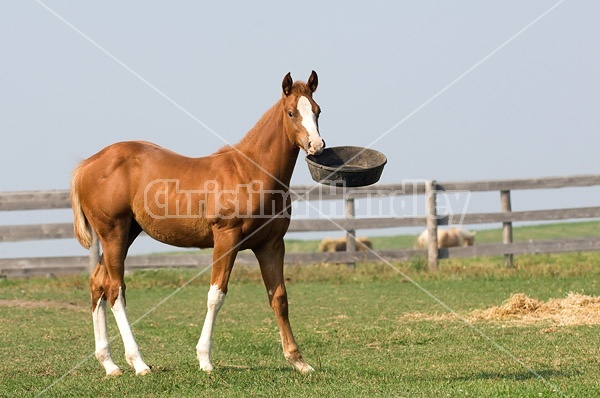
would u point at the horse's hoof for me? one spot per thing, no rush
(207, 367)
(143, 372)
(115, 373)
(304, 368)
(301, 366)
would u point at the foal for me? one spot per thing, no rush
(235, 199)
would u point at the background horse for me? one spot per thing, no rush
(453, 237)
(339, 244)
(235, 199)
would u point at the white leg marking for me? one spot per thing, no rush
(101, 337)
(309, 121)
(132, 351)
(213, 304)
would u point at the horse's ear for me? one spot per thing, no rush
(313, 81)
(287, 83)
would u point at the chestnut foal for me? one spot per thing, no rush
(235, 199)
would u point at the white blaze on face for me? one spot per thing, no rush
(309, 121)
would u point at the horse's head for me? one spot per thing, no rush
(469, 238)
(301, 114)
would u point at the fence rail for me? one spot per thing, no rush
(20, 233)
(59, 199)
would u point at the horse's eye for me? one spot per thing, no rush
(290, 114)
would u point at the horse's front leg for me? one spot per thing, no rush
(270, 257)
(224, 255)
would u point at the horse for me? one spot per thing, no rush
(235, 199)
(339, 245)
(453, 237)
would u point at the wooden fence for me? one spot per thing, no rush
(427, 191)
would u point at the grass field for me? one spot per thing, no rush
(523, 233)
(368, 331)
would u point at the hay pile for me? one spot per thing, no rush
(575, 309)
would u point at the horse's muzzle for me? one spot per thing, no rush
(316, 147)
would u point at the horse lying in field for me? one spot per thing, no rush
(339, 245)
(454, 237)
(235, 199)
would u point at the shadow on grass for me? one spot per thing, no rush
(258, 368)
(517, 376)
(273, 369)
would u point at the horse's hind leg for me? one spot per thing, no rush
(102, 350)
(270, 258)
(132, 351)
(110, 283)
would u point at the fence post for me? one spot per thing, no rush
(507, 231)
(432, 224)
(351, 233)
(94, 253)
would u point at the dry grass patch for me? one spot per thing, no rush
(46, 304)
(574, 310)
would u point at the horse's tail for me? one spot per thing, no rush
(82, 229)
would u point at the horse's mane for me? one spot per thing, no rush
(250, 136)
(298, 89)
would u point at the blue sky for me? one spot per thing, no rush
(455, 90)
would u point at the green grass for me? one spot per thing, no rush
(523, 233)
(350, 325)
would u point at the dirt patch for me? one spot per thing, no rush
(575, 309)
(32, 304)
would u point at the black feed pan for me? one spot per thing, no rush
(349, 166)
